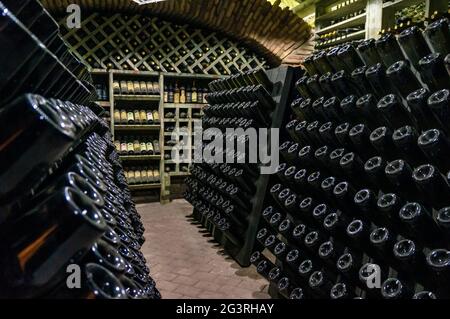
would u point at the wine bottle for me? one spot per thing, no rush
(376, 76)
(303, 88)
(350, 57)
(314, 86)
(432, 185)
(366, 107)
(424, 117)
(342, 84)
(439, 103)
(360, 82)
(393, 111)
(413, 44)
(383, 241)
(341, 291)
(403, 79)
(325, 84)
(438, 261)
(54, 231)
(320, 283)
(393, 288)
(17, 137)
(438, 36)
(389, 50)
(321, 62)
(436, 147)
(405, 140)
(433, 72)
(368, 52)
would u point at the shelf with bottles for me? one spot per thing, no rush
(333, 11)
(137, 146)
(341, 38)
(137, 116)
(353, 20)
(179, 91)
(142, 175)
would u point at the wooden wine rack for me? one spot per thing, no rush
(140, 43)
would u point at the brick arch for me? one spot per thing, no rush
(277, 34)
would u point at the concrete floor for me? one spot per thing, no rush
(187, 264)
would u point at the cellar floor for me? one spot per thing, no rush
(186, 263)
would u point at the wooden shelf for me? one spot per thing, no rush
(137, 187)
(137, 127)
(103, 103)
(130, 97)
(353, 21)
(349, 37)
(400, 4)
(185, 105)
(179, 173)
(343, 11)
(139, 157)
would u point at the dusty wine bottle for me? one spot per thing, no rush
(368, 52)
(433, 185)
(438, 36)
(389, 50)
(424, 117)
(402, 78)
(433, 72)
(405, 141)
(413, 44)
(393, 111)
(376, 76)
(435, 145)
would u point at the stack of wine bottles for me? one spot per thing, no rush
(36, 59)
(223, 193)
(65, 203)
(68, 227)
(360, 206)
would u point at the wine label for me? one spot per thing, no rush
(194, 96)
(123, 147)
(143, 147)
(144, 89)
(130, 87)
(155, 116)
(137, 116)
(143, 116)
(171, 97)
(156, 89)
(166, 97)
(137, 146)
(117, 116)
(131, 178)
(150, 176)
(149, 117)
(123, 87)
(116, 87)
(150, 148)
(117, 145)
(144, 176)
(130, 117)
(183, 96)
(130, 147)
(176, 97)
(150, 88)
(137, 88)
(156, 146)
(156, 175)
(137, 176)
(123, 116)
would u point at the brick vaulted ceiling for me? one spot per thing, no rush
(278, 34)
